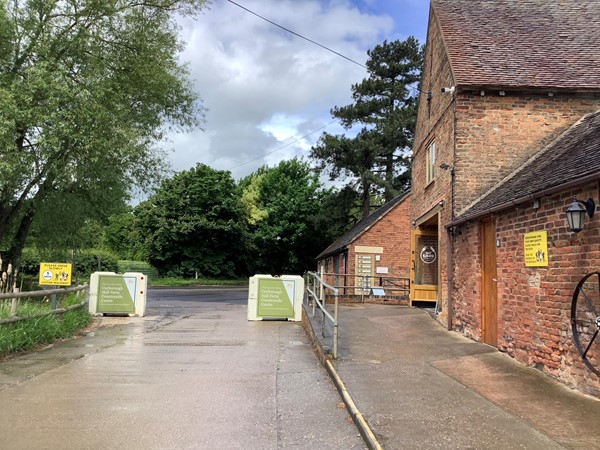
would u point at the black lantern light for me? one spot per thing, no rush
(577, 211)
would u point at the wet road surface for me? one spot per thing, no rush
(192, 374)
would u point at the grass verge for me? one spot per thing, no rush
(30, 306)
(30, 333)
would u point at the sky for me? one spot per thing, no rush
(268, 93)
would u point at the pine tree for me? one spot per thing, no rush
(385, 106)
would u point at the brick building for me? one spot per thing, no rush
(509, 82)
(377, 248)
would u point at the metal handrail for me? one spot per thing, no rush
(366, 282)
(313, 280)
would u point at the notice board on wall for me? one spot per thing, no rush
(364, 270)
(535, 249)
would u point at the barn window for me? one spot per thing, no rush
(430, 162)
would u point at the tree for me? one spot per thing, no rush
(350, 156)
(338, 213)
(282, 207)
(122, 237)
(385, 107)
(87, 89)
(195, 223)
(69, 221)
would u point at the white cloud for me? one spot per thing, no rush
(264, 87)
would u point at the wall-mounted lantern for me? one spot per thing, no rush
(576, 213)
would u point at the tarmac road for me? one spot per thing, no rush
(192, 374)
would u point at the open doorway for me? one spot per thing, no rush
(424, 276)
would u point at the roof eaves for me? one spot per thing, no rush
(529, 197)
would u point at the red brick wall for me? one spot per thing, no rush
(466, 285)
(533, 303)
(496, 134)
(483, 138)
(435, 122)
(392, 232)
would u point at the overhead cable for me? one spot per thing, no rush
(283, 146)
(296, 34)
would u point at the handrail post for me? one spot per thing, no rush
(317, 278)
(322, 298)
(314, 289)
(322, 288)
(335, 326)
(322, 314)
(362, 292)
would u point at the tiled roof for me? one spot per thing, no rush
(349, 236)
(571, 159)
(541, 44)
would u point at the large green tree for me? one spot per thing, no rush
(283, 205)
(378, 157)
(195, 223)
(122, 237)
(87, 90)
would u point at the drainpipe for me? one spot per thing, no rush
(450, 231)
(450, 276)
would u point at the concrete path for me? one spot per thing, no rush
(206, 380)
(421, 387)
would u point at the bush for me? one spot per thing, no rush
(29, 282)
(30, 261)
(137, 266)
(90, 261)
(32, 257)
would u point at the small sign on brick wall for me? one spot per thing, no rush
(536, 249)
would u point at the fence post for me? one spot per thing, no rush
(15, 302)
(53, 301)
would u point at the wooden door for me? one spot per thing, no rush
(425, 266)
(489, 288)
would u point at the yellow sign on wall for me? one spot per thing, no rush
(55, 274)
(536, 249)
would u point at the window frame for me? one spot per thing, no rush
(430, 159)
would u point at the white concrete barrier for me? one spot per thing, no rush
(275, 297)
(112, 293)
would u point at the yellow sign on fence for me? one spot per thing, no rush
(536, 249)
(55, 274)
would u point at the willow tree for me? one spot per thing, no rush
(87, 91)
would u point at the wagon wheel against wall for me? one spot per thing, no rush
(585, 320)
